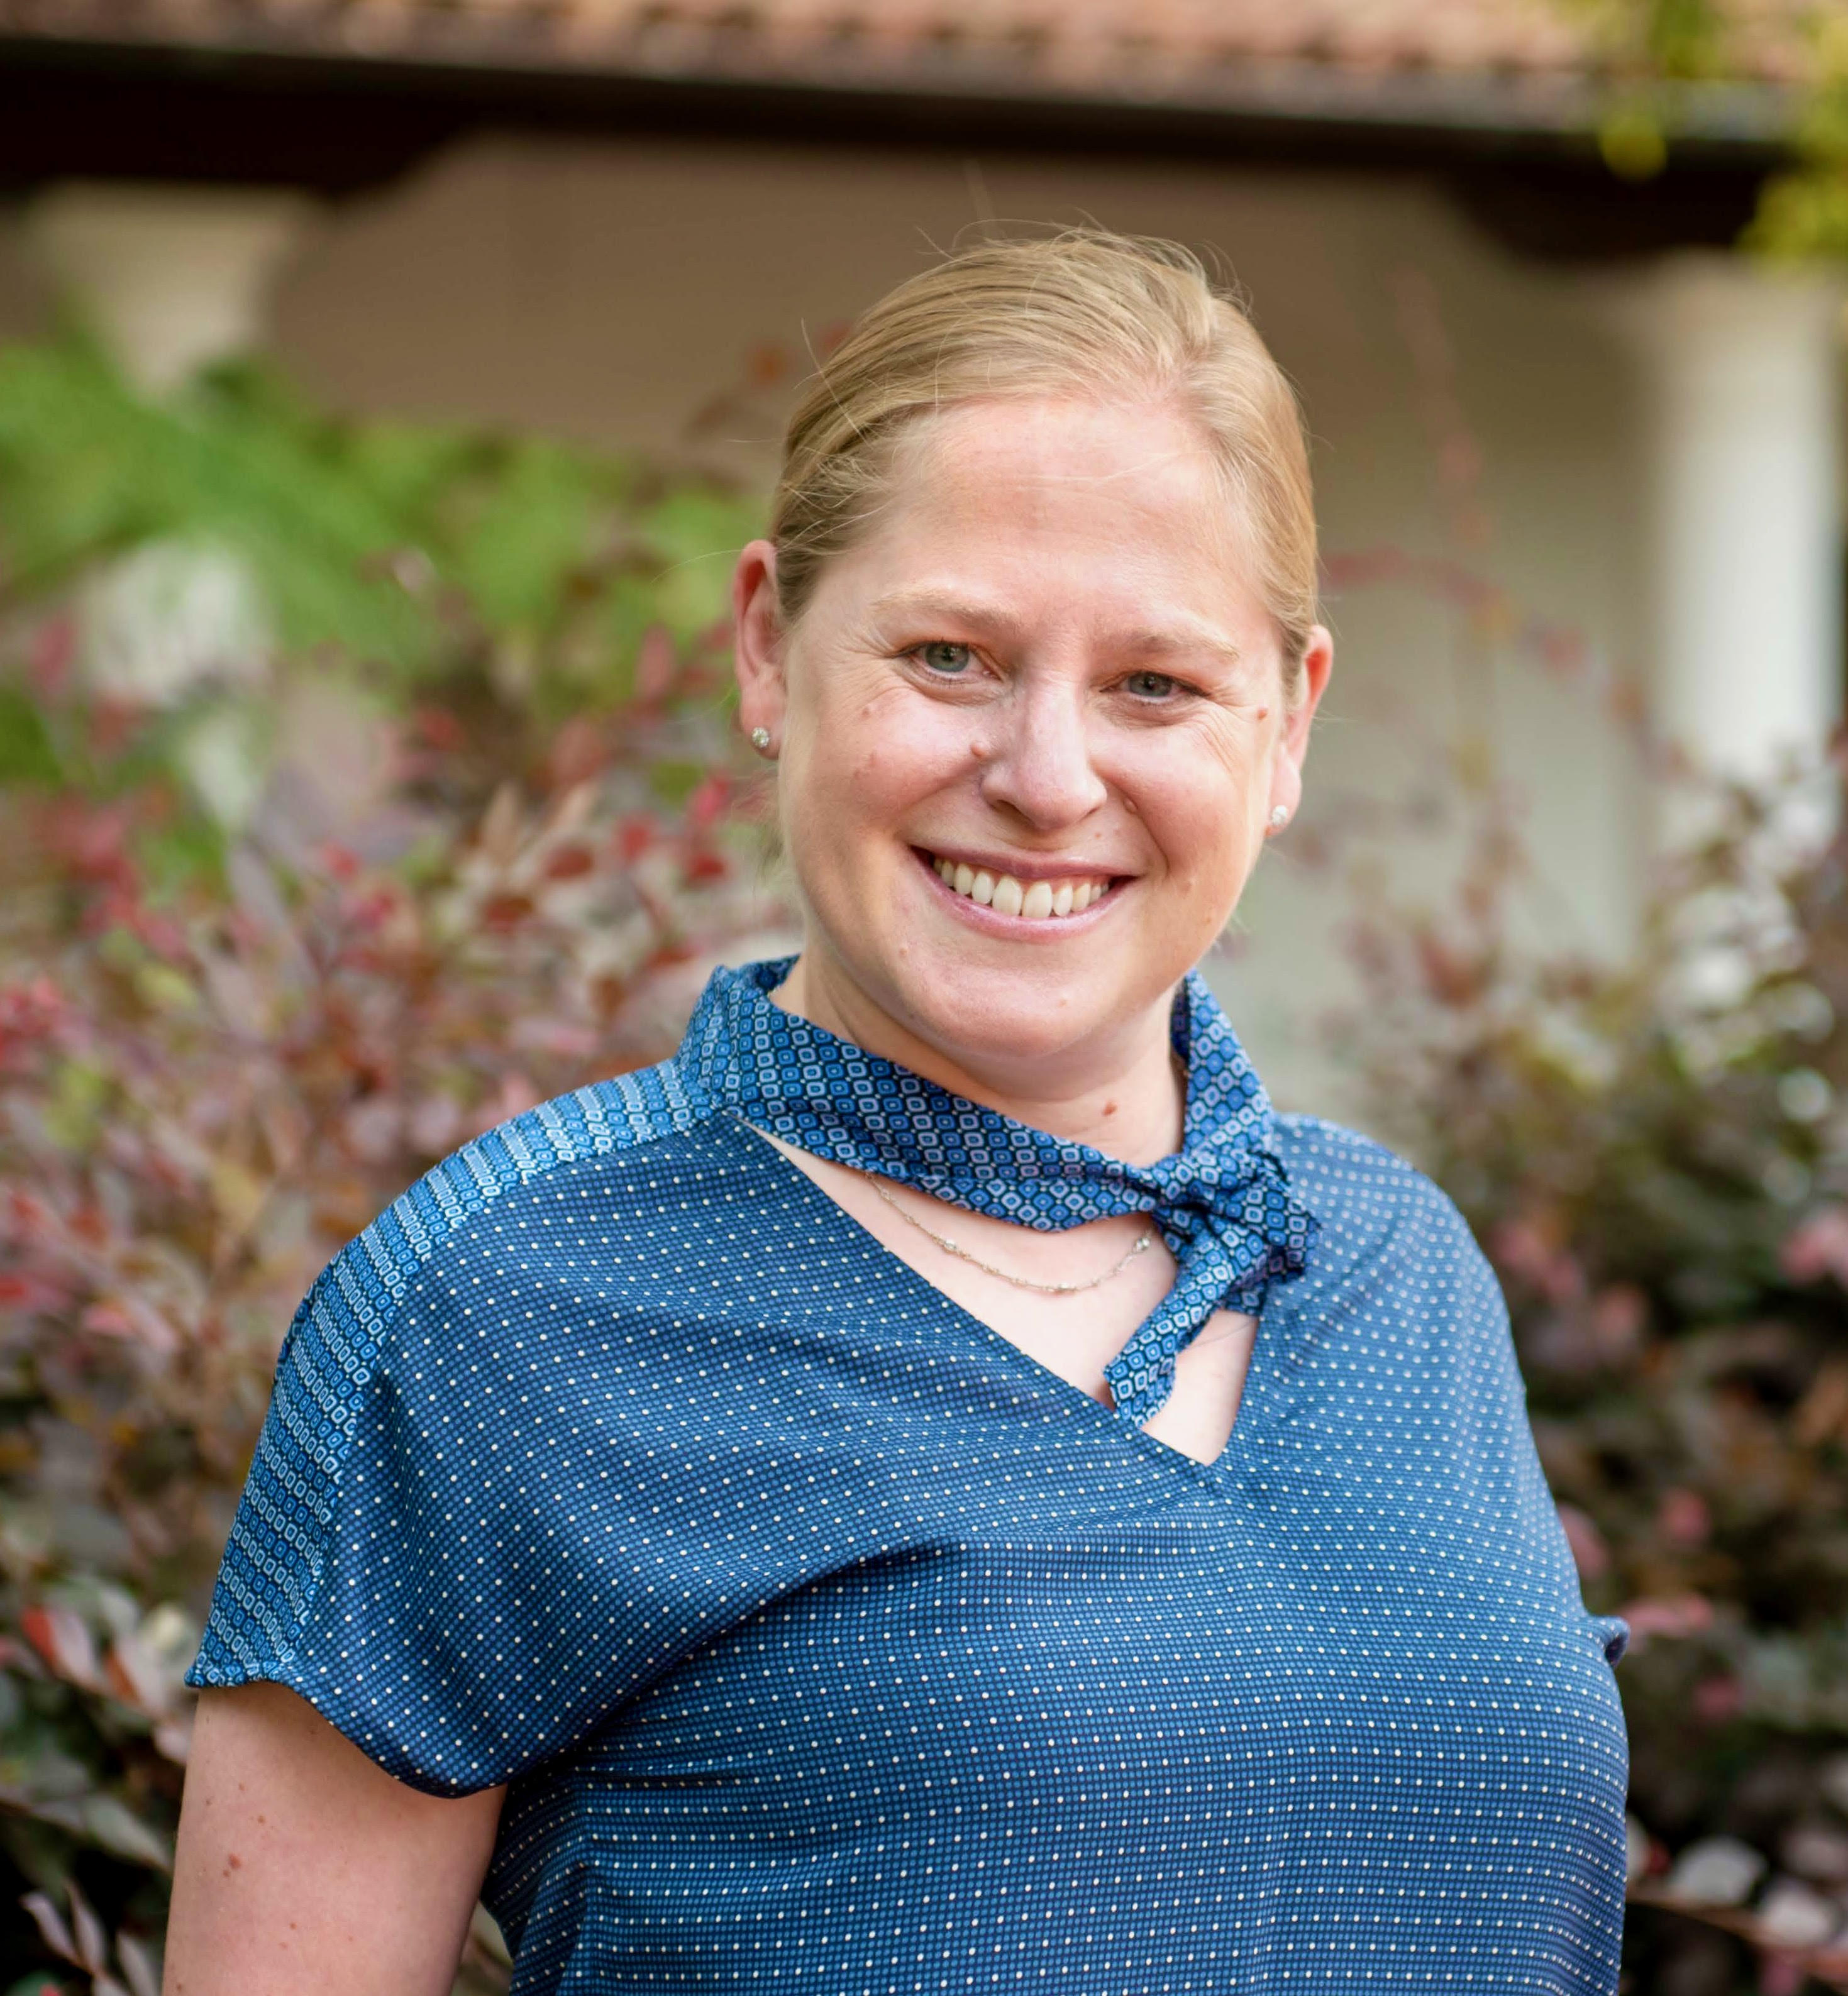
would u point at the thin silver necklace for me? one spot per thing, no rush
(1019, 1282)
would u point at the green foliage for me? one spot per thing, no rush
(86, 466)
(398, 546)
(1803, 213)
(1656, 1158)
(1647, 50)
(363, 785)
(1652, 52)
(26, 754)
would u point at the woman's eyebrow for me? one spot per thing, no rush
(1190, 640)
(1187, 638)
(945, 602)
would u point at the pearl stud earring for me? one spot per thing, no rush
(760, 740)
(1280, 816)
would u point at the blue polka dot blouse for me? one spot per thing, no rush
(828, 1644)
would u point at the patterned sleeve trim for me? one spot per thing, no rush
(285, 1526)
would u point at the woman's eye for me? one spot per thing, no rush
(942, 656)
(1151, 686)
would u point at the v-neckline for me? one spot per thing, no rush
(984, 1333)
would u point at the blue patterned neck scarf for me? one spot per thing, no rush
(1223, 1204)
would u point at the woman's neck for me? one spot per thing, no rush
(1127, 1099)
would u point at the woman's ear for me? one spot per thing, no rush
(758, 649)
(1286, 767)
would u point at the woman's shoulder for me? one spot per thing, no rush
(1316, 1150)
(1396, 1280)
(632, 1149)
(1366, 1194)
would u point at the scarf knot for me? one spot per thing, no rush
(1222, 1203)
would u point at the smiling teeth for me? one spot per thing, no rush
(1033, 900)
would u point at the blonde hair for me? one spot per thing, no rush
(1085, 312)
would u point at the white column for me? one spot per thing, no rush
(1743, 412)
(169, 279)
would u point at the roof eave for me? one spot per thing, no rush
(483, 54)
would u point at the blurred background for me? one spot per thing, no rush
(385, 388)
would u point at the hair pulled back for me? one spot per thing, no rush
(1085, 313)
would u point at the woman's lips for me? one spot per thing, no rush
(1033, 900)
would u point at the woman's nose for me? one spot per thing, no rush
(1039, 762)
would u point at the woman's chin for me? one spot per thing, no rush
(990, 1016)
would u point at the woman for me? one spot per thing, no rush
(936, 1487)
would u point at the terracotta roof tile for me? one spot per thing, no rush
(1141, 49)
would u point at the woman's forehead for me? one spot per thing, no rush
(1142, 453)
(996, 507)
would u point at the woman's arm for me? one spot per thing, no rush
(304, 1868)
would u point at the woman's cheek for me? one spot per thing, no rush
(911, 754)
(1203, 825)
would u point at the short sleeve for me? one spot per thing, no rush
(410, 1552)
(1416, 1263)
(335, 1580)
(1506, 1434)
(1612, 1633)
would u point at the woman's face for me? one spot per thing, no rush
(1031, 729)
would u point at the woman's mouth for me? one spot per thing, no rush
(1031, 901)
